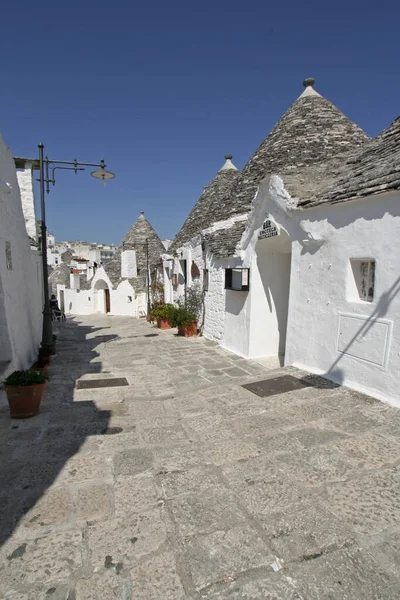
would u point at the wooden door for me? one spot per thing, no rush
(107, 295)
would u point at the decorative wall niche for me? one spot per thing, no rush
(362, 279)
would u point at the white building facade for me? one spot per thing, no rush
(21, 280)
(187, 260)
(303, 269)
(118, 287)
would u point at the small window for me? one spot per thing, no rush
(206, 281)
(364, 277)
(8, 256)
(129, 298)
(237, 279)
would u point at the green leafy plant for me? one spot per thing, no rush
(28, 377)
(193, 302)
(182, 317)
(157, 292)
(164, 311)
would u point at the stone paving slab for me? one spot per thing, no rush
(184, 485)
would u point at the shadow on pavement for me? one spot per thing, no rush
(34, 451)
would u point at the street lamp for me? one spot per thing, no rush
(45, 165)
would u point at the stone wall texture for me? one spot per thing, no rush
(215, 303)
(25, 182)
(21, 300)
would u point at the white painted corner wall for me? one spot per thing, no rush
(353, 342)
(21, 287)
(25, 182)
(123, 300)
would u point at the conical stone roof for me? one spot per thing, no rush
(311, 131)
(135, 239)
(372, 169)
(206, 211)
(60, 275)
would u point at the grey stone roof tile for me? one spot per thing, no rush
(310, 132)
(60, 276)
(135, 239)
(373, 169)
(207, 209)
(222, 243)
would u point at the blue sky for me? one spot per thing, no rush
(162, 90)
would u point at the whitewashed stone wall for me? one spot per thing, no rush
(196, 255)
(53, 258)
(128, 263)
(331, 331)
(21, 300)
(191, 251)
(25, 182)
(214, 317)
(123, 300)
(76, 302)
(120, 300)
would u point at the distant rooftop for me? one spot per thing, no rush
(20, 162)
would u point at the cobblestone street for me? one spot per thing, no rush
(185, 485)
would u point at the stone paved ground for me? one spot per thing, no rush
(184, 485)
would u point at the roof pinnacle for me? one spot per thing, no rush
(309, 90)
(309, 82)
(228, 166)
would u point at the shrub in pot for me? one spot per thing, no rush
(24, 391)
(164, 314)
(190, 308)
(186, 322)
(151, 316)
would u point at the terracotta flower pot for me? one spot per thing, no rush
(40, 367)
(163, 324)
(188, 330)
(24, 400)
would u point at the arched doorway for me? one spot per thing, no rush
(102, 297)
(270, 294)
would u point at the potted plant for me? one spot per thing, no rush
(24, 391)
(164, 314)
(151, 316)
(189, 310)
(186, 322)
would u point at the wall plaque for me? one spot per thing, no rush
(269, 229)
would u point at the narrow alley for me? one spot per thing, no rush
(151, 473)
